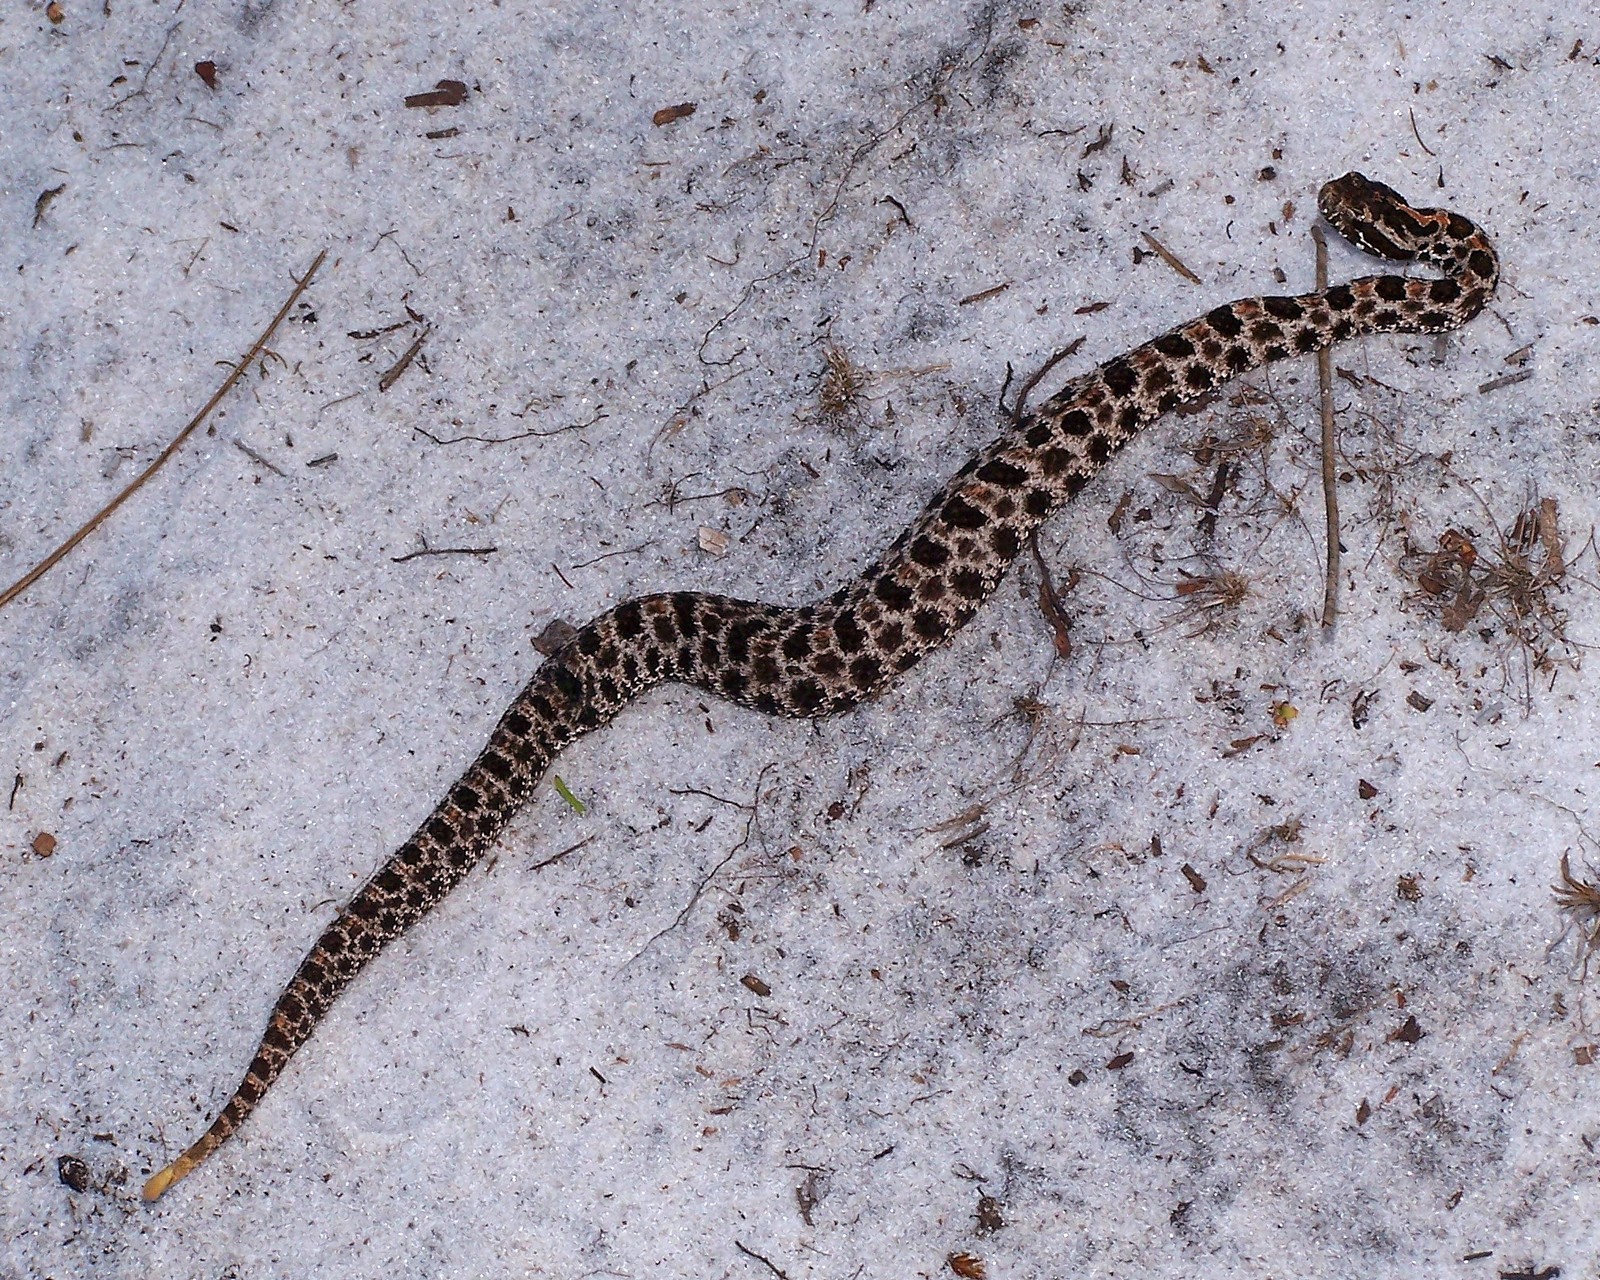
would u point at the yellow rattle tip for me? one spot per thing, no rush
(158, 1185)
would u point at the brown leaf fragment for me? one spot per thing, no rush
(752, 983)
(207, 71)
(1197, 882)
(713, 541)
(1365, 789)
(1584, 1055)
(1419, 701)
(1459, 613)
(44, 844)
(1119, 1061)
(1408, 1032)
(1432, 580)
(447, 93)
(967, 1266)
(1555, 547)
(1363, 1112)
(667, 115)
(1179, 486)
(1408, 889)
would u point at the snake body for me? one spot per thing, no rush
(817, 659)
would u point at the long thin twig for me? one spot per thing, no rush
(766, 1262)
(1330, 490)
(94, 522)
(1171, 259)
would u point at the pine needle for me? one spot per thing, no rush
(94, 522)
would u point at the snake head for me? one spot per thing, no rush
(1371, 215)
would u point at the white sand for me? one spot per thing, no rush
(232, 702)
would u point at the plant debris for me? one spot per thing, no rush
(1579, 900)
(447, 93)
(682, 111)
(842, 388)
(1511, 577)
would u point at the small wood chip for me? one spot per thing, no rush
(667, 115)
(1418, 700)
(1197, 882)
(714, 541)
(44, 844)
(752, 983)
(982, 294)
(392, 375)
(1494, 384)
(447, 93)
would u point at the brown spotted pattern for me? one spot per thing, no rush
(821, 658)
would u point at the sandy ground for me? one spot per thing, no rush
(1216, 947)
